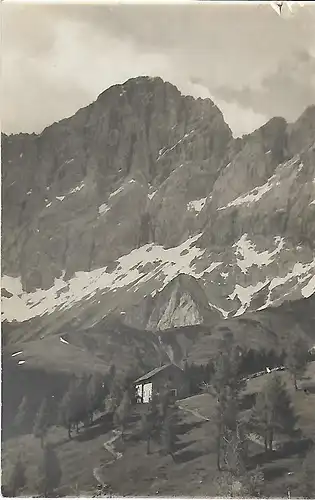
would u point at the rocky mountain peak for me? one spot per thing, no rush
(302, 132)
(137, 133)
(143, 205)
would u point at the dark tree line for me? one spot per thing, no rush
(196, 375)
(294, 357)
(253, 361)
(84, 397)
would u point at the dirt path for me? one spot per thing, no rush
(194, 412)
(108, 445)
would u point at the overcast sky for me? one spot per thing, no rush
(251, 62)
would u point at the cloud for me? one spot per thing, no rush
(286, 91)
(58, 58)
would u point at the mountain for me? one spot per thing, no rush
(144, 208)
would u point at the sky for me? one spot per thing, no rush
(251, 62)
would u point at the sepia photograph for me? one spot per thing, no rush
(158, 249)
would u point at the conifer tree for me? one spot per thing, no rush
(17, 479)
(41, 424)
(150, 421)
(21, 414)
(168, 431)
(122, 413)
(49, 472)
(227, 385)
(95, 395)
(66, 411)
(307, 476)
(296, 358)
(273, 411)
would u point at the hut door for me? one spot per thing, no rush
(147, 392)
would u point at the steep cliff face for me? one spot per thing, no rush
(182, 302)
(103, 211)
(77, 196)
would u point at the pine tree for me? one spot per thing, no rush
(226, 416)
(49, 472)
(168, 431)
(227, 368)
(297, 358)
(66, 411)
(164, 400)
(81, 402)
(74, 406)
(53, 411)
(307, 476)
(115, 395)
(95, 395)
(150, 421)
(21, 414)
(273, 411)
(122, 413)
(17, 479)
(41, 424)
(241, 447)
(227, 385)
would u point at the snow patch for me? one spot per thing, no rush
(150, 196)
(77, 188)
(63, 340)
(84, 285)
(245, 295)
(298, 271)
(21, 362)
(48, 205)
(252, 196)
(102, 209)
(309, 289)
(60, 198)
(29, 192)
(168, 150)
(197, 205)
(208, 270)
(222, 311)
(246, 249)
(16, 354)
(119, 190)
